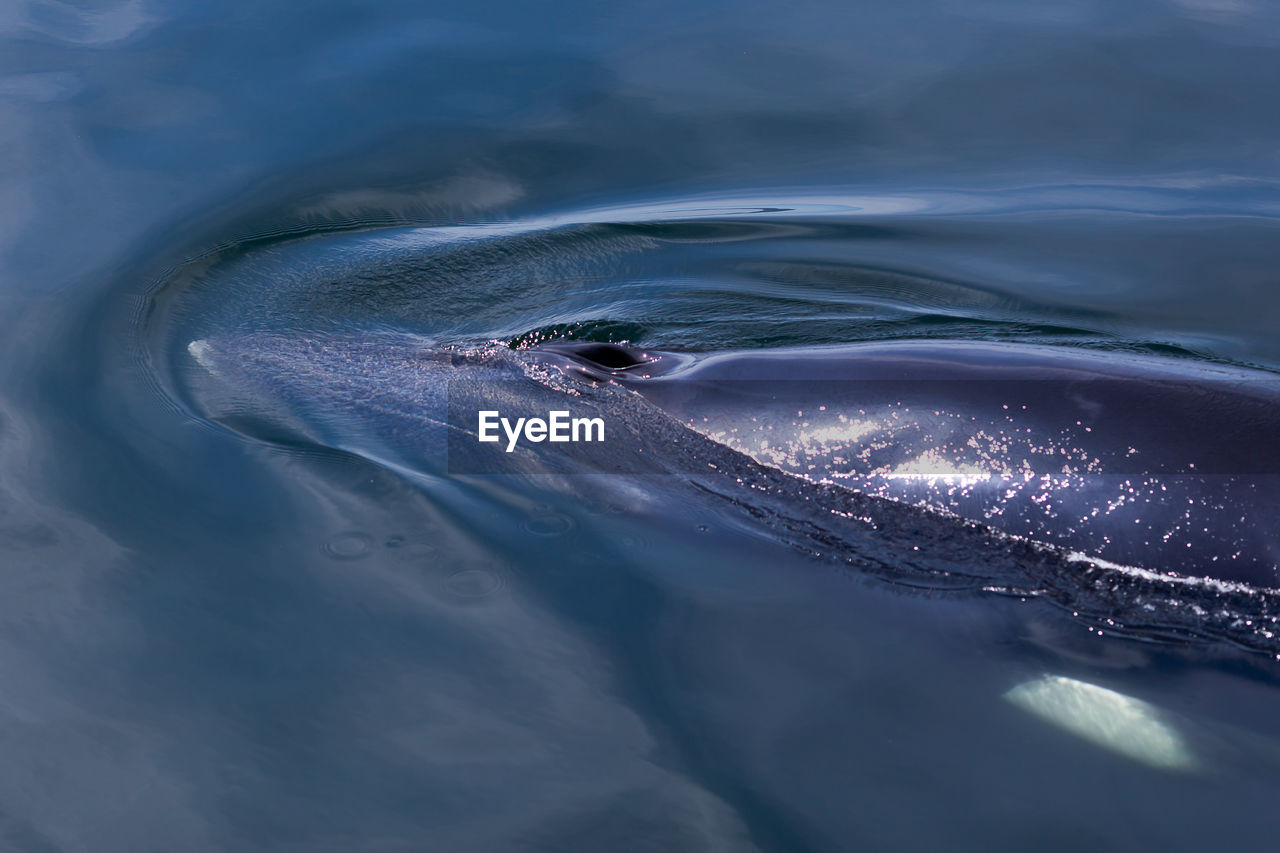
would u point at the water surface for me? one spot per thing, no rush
(246, 613)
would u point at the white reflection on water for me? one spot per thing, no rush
(1122, 724)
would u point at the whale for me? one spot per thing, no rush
(1131, 492)
(1136, 460)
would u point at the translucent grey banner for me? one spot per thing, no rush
(872, 427)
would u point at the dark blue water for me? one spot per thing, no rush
(261, 266)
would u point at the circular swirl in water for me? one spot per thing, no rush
(352, 545)
(549, 524)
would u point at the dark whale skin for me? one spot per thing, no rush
(1167, 464)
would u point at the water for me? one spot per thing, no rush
(259, 594)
